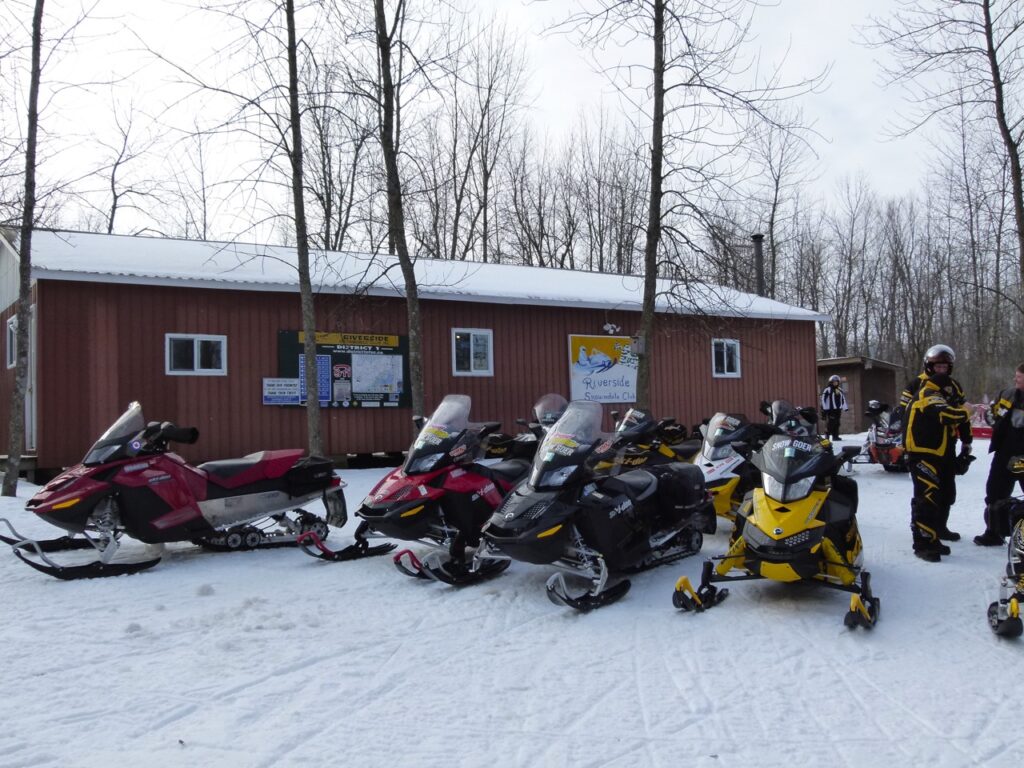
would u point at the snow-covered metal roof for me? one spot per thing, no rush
(65, 255)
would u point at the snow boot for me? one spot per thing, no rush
(930, 551)
(947, 535)
(989, 539)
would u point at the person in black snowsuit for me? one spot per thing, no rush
(833, 403)
(1007, 442)
(935, 420)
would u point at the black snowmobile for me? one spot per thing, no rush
(643, 441)
(801, 526)
(1007, 519)
(546, 411)
(594, 525)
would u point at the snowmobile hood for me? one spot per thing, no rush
(525, 509)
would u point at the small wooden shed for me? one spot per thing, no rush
(863, 379)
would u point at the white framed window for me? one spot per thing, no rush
(725, 358)
(189, 354)
(472, 352)
(11, 345)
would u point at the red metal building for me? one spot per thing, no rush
(112, 314)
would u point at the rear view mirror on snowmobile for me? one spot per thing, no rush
(489, 427)
(175, 434)
(522, 422)
(809, 414)
(765, 407)
(419, 421)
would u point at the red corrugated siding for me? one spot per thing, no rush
(102, 346)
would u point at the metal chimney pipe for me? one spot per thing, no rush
(758, 239)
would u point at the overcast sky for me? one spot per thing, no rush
(851, 115)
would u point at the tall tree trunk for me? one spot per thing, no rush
(1009, 140)
(396, 212)
(314, 440)
(643, 377)
(16, 423)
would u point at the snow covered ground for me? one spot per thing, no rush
(271, 658)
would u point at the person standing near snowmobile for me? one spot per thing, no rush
(833, 403)
(936, 419)
(1007, 442)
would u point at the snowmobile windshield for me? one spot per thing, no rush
(790, 465)
(635, 424)
(790, 420)
(117, 441)
(567, 444)
(549, 409)
(439, 436)
(723, 430)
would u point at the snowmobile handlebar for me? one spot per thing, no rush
(157, 432)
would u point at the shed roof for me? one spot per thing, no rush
(67, 255)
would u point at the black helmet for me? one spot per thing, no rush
(834, 378)
(938, 353)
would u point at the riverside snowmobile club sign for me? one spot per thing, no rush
(354, 370)
(602, 369)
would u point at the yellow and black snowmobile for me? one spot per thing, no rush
(800, 526)
(643, 442)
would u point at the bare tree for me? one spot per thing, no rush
(16, 417)
(697, 90)
(979, 42)
(269, 111)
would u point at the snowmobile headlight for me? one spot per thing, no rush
(717, 452)
(424, 463)
(780, 491)
(556, 477)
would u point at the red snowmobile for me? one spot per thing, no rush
(440, 497)
(130, 483)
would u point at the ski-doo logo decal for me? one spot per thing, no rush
(618, 509)
(158, 479)
(136, 445)
(457, 451)
(509, 515)
(136, 467)
(605, 446)
(777, 531)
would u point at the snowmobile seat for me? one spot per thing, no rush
(509, 470)
(637, 484)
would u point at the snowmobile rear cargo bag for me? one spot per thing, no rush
(310, 474)
(680, 484)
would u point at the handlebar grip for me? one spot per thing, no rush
(185, 435)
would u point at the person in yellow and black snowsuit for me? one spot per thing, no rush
(936, 419)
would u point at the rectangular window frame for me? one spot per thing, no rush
(726, 344)
(474, 332)
(196, 338)
(11, 342)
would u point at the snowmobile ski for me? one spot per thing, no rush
(864, 607)
(414, 567)
(706, 596)
(94, 570)
(1004, 614)
(459, 574)
(558, 594)
(62, 544)
(311, 543)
